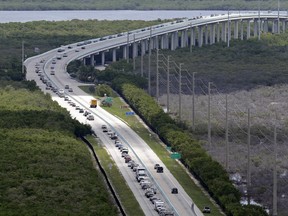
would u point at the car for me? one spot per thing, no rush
(206, 209)
(70, 47)
(110, 132)
(73, 104)
(86, 113)
(117, 141)
(52, 72)
(77, 107)
(65, 55)
(81, 110)
(66, 98)
(156, 166)
(83, 47)
(103, 127)
(149, 194)
(114, 137)
(76, 50)
(174, 191)
(47, 88)
(70, 90)
(90, 117)
(127, 158)
(159, 169)
(66, 86)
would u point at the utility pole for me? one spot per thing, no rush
(226, 134)
(23, 57)
(248, 164)
(149, 62)
(209, 117)
(180, 90)
(278, 24)
(228, 36)
(157, 74)
(191, 37)
(259, 21)
(168, 84)
(134, 56)
(127, 48)
(275, 213)
(193, 101)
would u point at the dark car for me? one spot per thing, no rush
(174, 191)
(159, 169)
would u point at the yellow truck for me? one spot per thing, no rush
(93, 103)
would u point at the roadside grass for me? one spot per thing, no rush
(127, 198)
(199, 197)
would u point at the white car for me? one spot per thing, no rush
(90, 117)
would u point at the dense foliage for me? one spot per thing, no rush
(139, 5)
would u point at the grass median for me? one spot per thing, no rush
(127, 198)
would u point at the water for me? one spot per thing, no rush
(27, 16)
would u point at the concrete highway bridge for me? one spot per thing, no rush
(197, 31)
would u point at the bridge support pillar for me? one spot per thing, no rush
(125, 52)
(265, 27)
(103, 58)
(242, 30)
(135, 50)
(212, 33)
(255, 28)
(184, 38)
(274, 27)
(200, 36)
(223, 31)
(143, 47)
(176, 38)
(192, 36)
(114, 55)
(236, 29)
(218, 32)
(92, 60)
(248, 29)
(156, 42)
(284, 25)
(206, 34)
